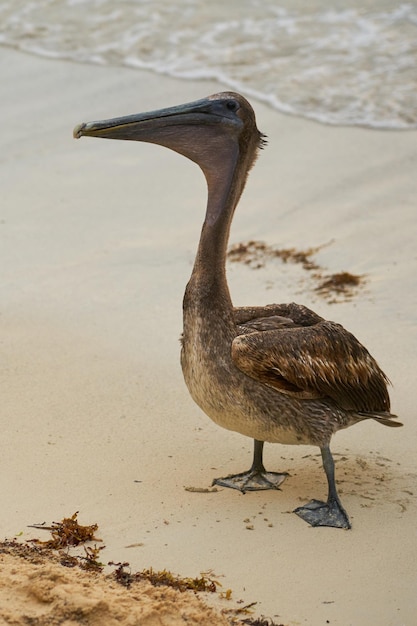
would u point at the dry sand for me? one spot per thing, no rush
(36, 589)
(97, 242)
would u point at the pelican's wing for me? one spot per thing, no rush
(297, 313)
(316, 361)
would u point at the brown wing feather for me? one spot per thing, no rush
(297, 313)
(319, 360)
(274, 322)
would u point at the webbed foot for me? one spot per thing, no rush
(317, 513)
(253, 480)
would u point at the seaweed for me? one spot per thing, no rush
(32, 553)
(66, 533)
(260, 621)
(164, 578)
(90, 561)
(69, 533)
(342, 285)
(255, 253)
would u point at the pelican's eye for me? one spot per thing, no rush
(233, 105)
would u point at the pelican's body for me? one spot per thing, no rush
(215, 375)
(278, 373)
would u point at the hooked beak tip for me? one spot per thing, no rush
(78, 130)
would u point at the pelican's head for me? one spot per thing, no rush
(206, 131)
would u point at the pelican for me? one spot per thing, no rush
(278, 373)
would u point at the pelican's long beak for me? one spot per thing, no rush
(147, 126)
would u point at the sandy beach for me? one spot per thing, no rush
(97, 244)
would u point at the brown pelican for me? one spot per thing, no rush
(278, 373)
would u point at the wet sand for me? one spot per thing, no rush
(97, 243)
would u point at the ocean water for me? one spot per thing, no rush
(345, 63)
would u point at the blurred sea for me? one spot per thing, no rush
(346, 63)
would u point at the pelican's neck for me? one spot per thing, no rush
(209, 272)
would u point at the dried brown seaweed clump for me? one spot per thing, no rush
(341, 283)
(260, 621)
(33, 554)
(165, 578)
(66, 533)
(333, 287)
(256, 253)
(69, 533)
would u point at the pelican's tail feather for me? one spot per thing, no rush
(387, 419)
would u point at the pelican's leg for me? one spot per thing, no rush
(330, 513)
(256, 478)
